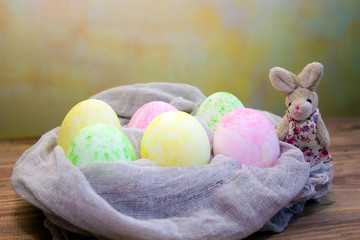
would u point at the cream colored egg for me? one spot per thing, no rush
(87, 112)
(176, 139)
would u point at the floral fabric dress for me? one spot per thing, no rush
(303, 135)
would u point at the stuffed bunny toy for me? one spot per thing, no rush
(302, 125)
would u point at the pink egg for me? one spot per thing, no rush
(145, 114)
(249, 137)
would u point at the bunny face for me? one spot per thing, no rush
(301, 103)
(301, 98)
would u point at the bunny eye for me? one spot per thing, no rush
(309, 100)
(289, 104)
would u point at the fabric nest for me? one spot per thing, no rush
(142, 200)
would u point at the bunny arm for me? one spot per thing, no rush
(283, 128)
(323, 134)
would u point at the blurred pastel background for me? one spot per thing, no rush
(56, 53)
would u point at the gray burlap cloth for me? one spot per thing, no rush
(141, 200)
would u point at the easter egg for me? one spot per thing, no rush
(146, 113)
(100, 143)
(216, 106)
(87, 112)
(249, 137)
(175, 139)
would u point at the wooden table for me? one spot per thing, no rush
(336, 217)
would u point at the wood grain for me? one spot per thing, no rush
(337, 216)
(18, 218)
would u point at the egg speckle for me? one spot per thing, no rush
(100, 143)
(176, 139)
(146, 113)
(249, 137)
(216, 106)
(87, 112)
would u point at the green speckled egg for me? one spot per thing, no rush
(100, 143)
(216, 106)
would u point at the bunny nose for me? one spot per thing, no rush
(297, 107)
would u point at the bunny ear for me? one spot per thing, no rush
(311, 75)
(282, 80)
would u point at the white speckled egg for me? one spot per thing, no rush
(216, 106)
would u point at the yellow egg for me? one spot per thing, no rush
(87, 112)
(176, 139)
